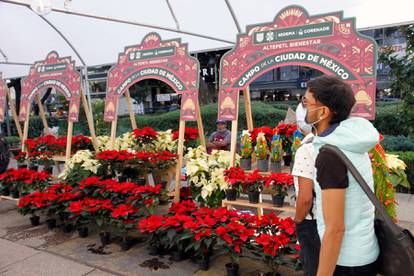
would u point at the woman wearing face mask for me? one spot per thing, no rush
(303, 174)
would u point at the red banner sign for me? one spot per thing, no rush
(165, 60)
(57, 73)
(328, 43)
(3, 88)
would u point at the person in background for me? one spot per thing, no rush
(219, 139)
(303, 174)
(344, 214)
(4, 155)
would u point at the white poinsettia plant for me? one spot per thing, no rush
(397, 168)
(82, 160)
(165, 141)
(103, 142)
(205, 173)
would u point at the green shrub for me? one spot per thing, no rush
(392, 122)
(398, 143)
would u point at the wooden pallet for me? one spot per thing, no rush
(9, 198)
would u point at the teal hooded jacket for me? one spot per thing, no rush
(355, 137)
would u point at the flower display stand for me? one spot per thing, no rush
(259, 206)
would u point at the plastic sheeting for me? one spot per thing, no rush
(25, 37)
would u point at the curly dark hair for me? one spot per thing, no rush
(335, 94)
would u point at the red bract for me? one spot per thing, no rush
(151, 223)
(123, 210)
(90, 205)
(145, 134)
(190, 133)
(235, 176)
(185, 206)
(279, 178)
(272, 243)
(265, 129)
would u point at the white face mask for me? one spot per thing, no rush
(301, 119)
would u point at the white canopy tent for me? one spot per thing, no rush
(98, 30)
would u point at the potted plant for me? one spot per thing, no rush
(32, 203)
(235, 177)
(233, 236)
(261, 153)
(80, 216)
(153, 226)
(254, 185)
(45, 159)
(280, 182)
(286, 133)
(246, 149)
(21, 158)
(276, 153)
(124, 217)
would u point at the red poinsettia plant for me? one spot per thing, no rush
(280, 182)
(236, 177)
(254, 182)
(24, 180)
(190, 136)
(20, 157)
(144, 135)
(81, 142)
(266, 130)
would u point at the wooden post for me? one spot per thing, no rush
(89, 118)
(42, 114)
(233, 144)
(131, 112)
(113, 128)
(181, 132)
(248, 108)
(14, 115)
(249, 116)
(201, 129)
(26, 126)
(69, 142)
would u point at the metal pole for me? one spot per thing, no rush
(173, 14)
(125, 22)
(233, 15)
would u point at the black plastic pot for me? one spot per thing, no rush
(231, 194)
(51, 223)
(126, 244)
(33, 167)
(246, 163)
(232, 269)
(153, 251)
(204, 264)
(21, 166)
(273, 274)
(122, 178)
(63, 217)
(140, 181)
(275, 166)
(254, 197)
(105, 238)
(262, 165)
(83, 232)
(5, 191)
(35, 220)
(67, 227)
(278, 200)
(287, 159)
(15, 193)
(48, 169)
(177, 256)
(163, 184)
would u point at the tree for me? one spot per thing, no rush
(402, 74)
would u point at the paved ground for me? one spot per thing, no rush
(37, 251)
